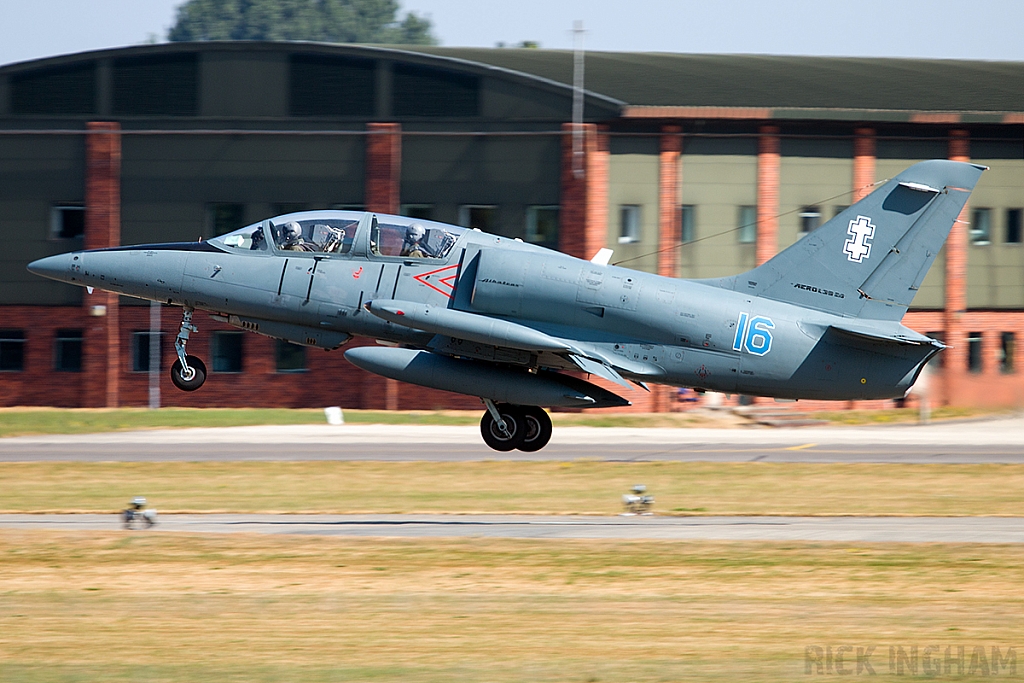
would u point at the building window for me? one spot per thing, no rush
(981, 226)
(158, 85)
(224, 217)
(425, 212)
(67, 221)
(423, 91)
(61, 91)
(810, 219)
(746, 232)
(481, 216)
(140, 351)
(290, 357)
(1007, 351)
(687, 222)
(12, 350)
(542, 225)
(67, 351)
(227, 351)
(974, 359)
(321, 85)
(629, 223)
(1013, 226)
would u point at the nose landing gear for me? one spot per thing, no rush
(505, 427)
(188, 372)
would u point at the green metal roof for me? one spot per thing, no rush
(684, 80)
(666, 86)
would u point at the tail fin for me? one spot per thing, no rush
(869, 261)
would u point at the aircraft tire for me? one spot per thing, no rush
(537, 429)
(495, 438)
(197, 379)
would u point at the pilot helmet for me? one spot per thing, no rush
(291, 232)
(415, 232)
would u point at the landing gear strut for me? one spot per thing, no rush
(188, 372)
(505, 427)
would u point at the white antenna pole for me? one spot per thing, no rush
(154, 355)
(577, 98)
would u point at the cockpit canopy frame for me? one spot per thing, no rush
(344, 234)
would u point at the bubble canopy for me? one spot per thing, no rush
(339, 233)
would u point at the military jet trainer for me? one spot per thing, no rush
(492, 317)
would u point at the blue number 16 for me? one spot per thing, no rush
(755, 337)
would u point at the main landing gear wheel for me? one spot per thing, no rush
(191, 378)
(537, 426)
(509, 439)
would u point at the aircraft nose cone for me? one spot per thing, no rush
(54, 267)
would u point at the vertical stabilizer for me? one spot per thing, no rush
(869, 260)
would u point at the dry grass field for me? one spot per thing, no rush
(581, 487)
(124, 606)
(25, 421)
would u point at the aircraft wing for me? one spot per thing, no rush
(504, 334)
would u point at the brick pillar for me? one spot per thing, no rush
(955, 361)
(669, 229)
(863, 162)
(668, 202)
(383, 167)
(583, 214)
(768, 162)
(863, 178)
(383, 182)
(101, 353)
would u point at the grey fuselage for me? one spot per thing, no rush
(646, 327)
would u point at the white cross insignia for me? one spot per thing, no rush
(857, 248)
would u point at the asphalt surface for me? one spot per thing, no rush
(843, 529)
(992, 441)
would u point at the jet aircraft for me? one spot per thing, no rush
(517, 325)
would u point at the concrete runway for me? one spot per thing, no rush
(842, 529)
(994, 441)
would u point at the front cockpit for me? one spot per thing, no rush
(344, 233)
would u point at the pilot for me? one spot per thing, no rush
(415, 245)
(291, 238)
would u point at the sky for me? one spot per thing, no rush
(952, 29)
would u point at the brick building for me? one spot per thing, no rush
(686, 165)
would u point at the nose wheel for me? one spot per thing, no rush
(188, 372)
(505, 427)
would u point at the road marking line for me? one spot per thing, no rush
(800, 448)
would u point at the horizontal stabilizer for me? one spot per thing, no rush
(885, 334)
